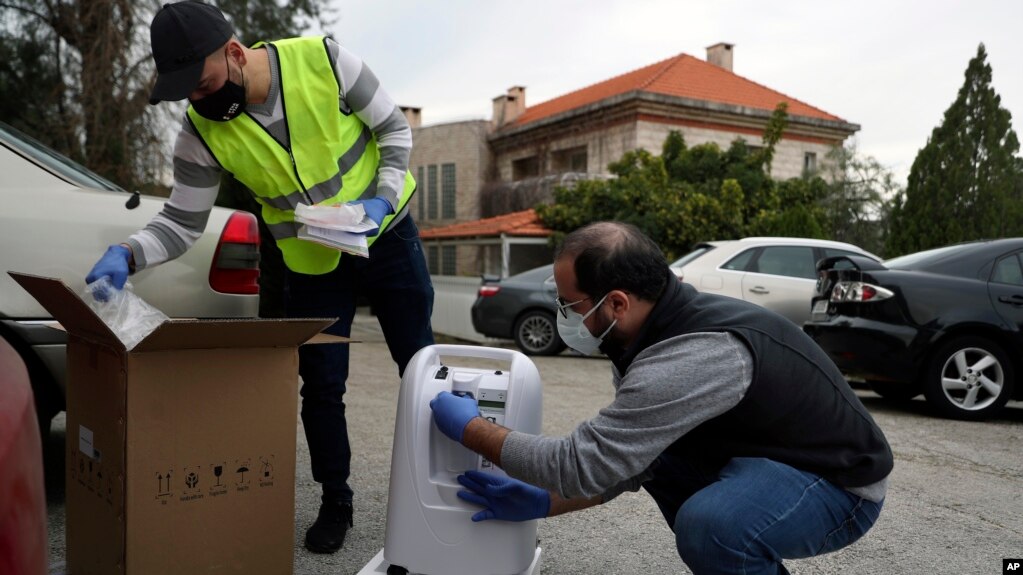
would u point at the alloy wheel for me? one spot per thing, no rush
(972, 378)
(969, 377)
(536, 333)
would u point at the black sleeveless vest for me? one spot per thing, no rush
(799, 409)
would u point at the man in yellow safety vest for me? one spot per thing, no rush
(298, 121)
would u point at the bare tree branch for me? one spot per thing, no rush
(25, 10)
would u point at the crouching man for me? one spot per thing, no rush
(750, 441)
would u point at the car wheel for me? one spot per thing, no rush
(894, 391)
(536, 333)
(969, 378)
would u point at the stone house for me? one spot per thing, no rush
(479, 169)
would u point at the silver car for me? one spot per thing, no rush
(58, 219)
(776, 273)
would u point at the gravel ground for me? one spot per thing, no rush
(955, 502)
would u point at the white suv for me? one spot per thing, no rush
(776, 273)
(58, 219)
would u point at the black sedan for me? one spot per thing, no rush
(944, 322)
(522, 308)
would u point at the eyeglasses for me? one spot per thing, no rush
(564, 305)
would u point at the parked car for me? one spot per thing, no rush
(944, 322)
(22, 489)
(520, 307)
(58, 219)
(776, 273)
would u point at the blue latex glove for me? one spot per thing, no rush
(377, 209)
(113, 264)
(504, 498)
(452, 413)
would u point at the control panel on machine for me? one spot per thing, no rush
(490, 390)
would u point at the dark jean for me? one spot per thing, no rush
(397, 283)
(751, 514)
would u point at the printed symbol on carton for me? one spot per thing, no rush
(191, 477)
(191, 491)
(218, 487)
(241, 470)
(163, 484)
(81, 471)
(266, 471)
(90, 475)
(99, 480)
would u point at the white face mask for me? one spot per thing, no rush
(574, 332)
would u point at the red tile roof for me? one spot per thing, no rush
(682, 76)
(524, 223)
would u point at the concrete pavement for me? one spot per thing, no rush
(955, 502)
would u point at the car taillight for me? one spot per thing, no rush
(235, 266)
(858, 292)
(489, 290)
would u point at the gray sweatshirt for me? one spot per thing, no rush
(669, 389)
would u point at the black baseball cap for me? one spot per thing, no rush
(182, 35)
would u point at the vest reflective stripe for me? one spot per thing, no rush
(329, 188)
(284, 230)
(333, 157)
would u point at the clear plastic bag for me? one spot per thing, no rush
(126, 314)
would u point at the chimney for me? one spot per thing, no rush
(509, 106)
(413, 115)
(720, 55)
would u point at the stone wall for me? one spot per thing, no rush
(602, 147)
(789, 155)
(463, 144)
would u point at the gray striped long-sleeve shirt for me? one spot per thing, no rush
(197, 174)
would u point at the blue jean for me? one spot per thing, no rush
(749, 515)
(397, 283)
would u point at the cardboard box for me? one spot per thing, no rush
(180, 452)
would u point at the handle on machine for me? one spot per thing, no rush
(477, 352)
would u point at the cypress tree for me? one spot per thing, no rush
(964, 184)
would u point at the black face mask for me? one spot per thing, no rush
(225, 104)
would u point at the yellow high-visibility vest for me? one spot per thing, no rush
(332, 158)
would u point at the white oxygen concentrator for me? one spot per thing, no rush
(429, 530)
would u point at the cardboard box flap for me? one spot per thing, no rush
(221, 334)
(76, 317)
(67, 308)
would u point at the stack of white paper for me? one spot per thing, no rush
(341, 226)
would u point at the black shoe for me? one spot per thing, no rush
(327, 533)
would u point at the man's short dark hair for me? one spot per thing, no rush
(615, 255)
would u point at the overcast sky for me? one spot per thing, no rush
(893, 67)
